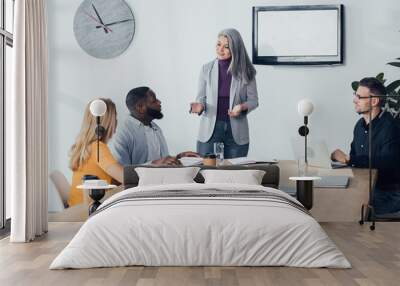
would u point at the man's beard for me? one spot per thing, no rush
(154, 113)
(361, 112)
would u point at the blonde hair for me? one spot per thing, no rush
(80, 151)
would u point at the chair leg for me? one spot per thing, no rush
(367, 214)
(372, 226)
(361, 221)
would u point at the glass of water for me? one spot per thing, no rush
(219, 152)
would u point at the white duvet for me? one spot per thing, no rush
(200, 231)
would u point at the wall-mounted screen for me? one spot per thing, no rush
(298, 35)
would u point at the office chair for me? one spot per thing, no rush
(62, 185)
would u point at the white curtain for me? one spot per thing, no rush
(27, 121)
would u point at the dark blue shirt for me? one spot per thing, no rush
(385, 150)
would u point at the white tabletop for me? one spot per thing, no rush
(304, 178)
(90, 187)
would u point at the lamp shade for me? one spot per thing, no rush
(98, 107)
(305, 107)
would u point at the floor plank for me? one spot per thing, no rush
(375, 257)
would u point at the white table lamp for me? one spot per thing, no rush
(305, 107)
(98, 108)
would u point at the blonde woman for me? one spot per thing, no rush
(83, 155)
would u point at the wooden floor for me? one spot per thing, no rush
(375, 257)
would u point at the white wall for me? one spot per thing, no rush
(174, 38)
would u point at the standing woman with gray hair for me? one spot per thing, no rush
(227, 93)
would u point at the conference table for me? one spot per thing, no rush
(330, 204)
(333, 204)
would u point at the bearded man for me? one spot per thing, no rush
(139, 140)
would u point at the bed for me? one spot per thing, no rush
(197, 224)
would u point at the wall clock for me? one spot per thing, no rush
(104, 28)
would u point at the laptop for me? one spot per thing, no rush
(332, 182)
(318, 154)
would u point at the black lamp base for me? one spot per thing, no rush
(303, 130)
(304, 193)
(96, 195)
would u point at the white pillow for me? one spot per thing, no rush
(165, 176)
(248, 177)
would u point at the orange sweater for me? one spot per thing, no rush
(91, 167)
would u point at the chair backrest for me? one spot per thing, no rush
(62, 185)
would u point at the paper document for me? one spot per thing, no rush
(191, 161)
(241, 161)
(246, 160)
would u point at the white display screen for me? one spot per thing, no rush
(298, 33)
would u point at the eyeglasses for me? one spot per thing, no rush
(361, 97)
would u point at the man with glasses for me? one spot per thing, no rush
(385, 145)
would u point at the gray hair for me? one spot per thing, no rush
(241, 66)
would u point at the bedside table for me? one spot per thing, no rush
(304, 190)
(96, 193)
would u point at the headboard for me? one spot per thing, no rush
(270, 179)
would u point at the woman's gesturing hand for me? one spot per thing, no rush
(196, 107)
(237, 110)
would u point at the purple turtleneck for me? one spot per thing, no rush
(224, 88)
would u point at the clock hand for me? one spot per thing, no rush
(113, 23)
(98, 16)
(94, 19)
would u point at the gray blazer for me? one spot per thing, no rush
(208, 96)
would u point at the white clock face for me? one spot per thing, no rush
(104, 28)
